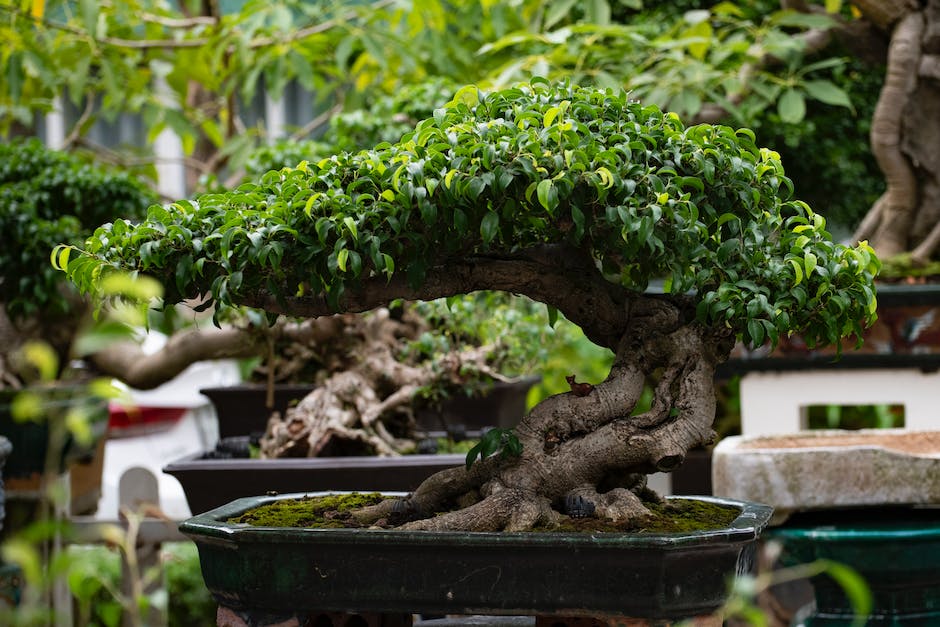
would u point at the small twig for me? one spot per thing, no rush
(318, 121)
(172, 22)
(75, 134)
(317, 29)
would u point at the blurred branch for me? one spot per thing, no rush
(197, 42)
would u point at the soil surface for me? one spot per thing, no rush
(333, 511)
(926, 443)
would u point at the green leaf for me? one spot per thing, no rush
(511, 445)
(809, 263)
(607, 179)
(489, 226)
(15, 74)
(598, 12)
(577, 216)
(472, 454)
(141, 288)
(791, 107)
(389, 268)
(701, 36)
(855, 588)
(557, 11)
(829, 93)
(547, 194)
(351, 225)
(756, 331)
(797, 271)
(802, 20)
(89, 9)
(101, 336)
(550, 116)
(42, 357)
(341, 258)
(552, 315)
(468, 95)
(60, 257)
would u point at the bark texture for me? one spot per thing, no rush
(366, 406)
(587, 450)
(905, 135)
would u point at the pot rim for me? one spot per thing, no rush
(212, 526)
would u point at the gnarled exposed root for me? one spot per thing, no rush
(582, 454)
(353, 405)
(505, 510)
(617, 505)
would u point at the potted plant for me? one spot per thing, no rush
(48, 197)
(438, 403)
(410, 394)
(574, 197)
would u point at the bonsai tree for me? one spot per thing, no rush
(49, 196)
(577, 198)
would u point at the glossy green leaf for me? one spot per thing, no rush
(547, 194)
(489, 226)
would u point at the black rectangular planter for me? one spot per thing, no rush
(242, 410)
(210, 483)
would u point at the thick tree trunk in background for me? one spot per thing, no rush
(905, 134)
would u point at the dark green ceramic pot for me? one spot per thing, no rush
(896, 551)
(283, 571)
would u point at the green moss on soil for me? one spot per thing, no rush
(330, 511)
(902, 267)
(672, 516)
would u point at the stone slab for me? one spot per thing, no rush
(830, 469)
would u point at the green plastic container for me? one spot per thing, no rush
(896, 550)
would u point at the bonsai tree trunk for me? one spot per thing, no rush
(905, 135)
(585, 451)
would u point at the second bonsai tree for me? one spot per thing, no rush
(577, 198)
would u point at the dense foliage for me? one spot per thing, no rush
(679, 56)
(48, 197)
(702, 207)
(527, 342)
(385, 119)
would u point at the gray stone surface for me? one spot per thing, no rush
(823, 469)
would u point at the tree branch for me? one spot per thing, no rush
(149, 44)
(552, 275)
(194, 21)
(127, 362)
